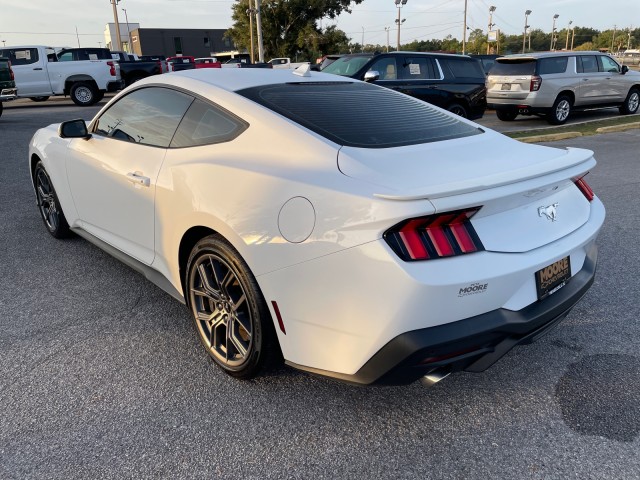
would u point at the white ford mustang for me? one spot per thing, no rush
(356, 232)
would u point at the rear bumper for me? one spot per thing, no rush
(8, 94)
(472, 344)
(115, 85)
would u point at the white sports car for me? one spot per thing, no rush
(353, 231)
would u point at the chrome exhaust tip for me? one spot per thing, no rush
(431, 378)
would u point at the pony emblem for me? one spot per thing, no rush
(550, 212)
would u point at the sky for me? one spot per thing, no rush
(46, 22)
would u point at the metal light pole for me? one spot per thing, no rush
(464, 29)
(362, 44)
(386, 29)
(566, 47)
(524, 35)
(491, 24)
(259, 28)
(399, 5)
(250, 12)
(126, 17)
(553, 32)
(573, 36)
(118, 45)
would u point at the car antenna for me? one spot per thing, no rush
(303, 70)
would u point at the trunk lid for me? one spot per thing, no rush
(515, 183)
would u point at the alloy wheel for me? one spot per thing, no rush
(47, 201)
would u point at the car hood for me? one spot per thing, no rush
(454, 167)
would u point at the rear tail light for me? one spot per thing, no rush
(584, 187)
(536, 83)
(435, 236)
(112, 69)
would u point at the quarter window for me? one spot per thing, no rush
(149, 116)
(205, 124)
(463, 68)
(551, 65)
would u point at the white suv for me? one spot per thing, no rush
(553, 84)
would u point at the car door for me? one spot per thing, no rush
(30, 71)
(590, 91)
(422, 78)
(613, 83)
(112, 175)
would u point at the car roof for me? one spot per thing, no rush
(234, 79)
(403, 52)
(536, 55)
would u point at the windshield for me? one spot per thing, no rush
(346, 66)
(357, 114)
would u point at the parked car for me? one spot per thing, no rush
(487, 61)
(208, 62)
(279, 63)
(8, 89)
(324, 62)
(38, 75)
(383, 241)
(453, 82)
(177, 64)
(133, 70)
(554, 84)
(630, 57)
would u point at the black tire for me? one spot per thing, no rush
(230, 314)
(39, 99)
(506, 115)
(560, 111)
(84, 94)
(99, 96)
(49, 205)
(458, 110)
(1, 108)
(631, 103)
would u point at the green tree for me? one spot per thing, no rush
(289, 27)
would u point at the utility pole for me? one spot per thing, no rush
(78, 37)
(553, 32)
(613, 39)
(126, 17)
(573, 36)
(399, 5)
(362, 44)
(386, 29)
(464, 29)
(524, 34)
(250, 12)
(566, 47)
(259, 28)
(117, 44)
(491, 24)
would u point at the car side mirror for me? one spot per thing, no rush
(371, 76)
(74, 129)
(625, 69)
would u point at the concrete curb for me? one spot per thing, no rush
(551, 137)
(618, 128)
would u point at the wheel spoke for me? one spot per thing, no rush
(239, 302)
(206, 283)
(237, 343)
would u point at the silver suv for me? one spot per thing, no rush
(553, 84)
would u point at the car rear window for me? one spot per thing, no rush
(524, 66)
(359, 114)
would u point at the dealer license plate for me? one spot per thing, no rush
(506, 86)
(553, 277)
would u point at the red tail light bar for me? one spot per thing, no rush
(112, 69)
(536, 83)
(584, 187)
(11, 73)
(435, 236)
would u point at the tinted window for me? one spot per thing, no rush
(386, 67)
(359, 114)
(418, 68)
(587, 64)
(206, 124)
(608, 64)
(513, 67)
(65, 57)
(148, 116)
(552, 65)
(346, 66)
(462, 68)
(20, 56)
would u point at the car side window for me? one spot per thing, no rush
(66, 57)
(149, 116)
(548, 66)
(608, 64)
(418, 68)
(20, 56)
(206, 124)
(587, 64)
(386, 67)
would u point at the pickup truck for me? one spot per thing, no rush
(177, 64)
(39, 74)
(285, 63)
(7, 84)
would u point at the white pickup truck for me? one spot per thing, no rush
(39, 75)
(285, 63)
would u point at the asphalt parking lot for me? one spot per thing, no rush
(102, 375)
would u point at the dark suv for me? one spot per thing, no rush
(453, 82)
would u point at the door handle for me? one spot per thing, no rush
(585, 79)
(138, 179)
(38, 68)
